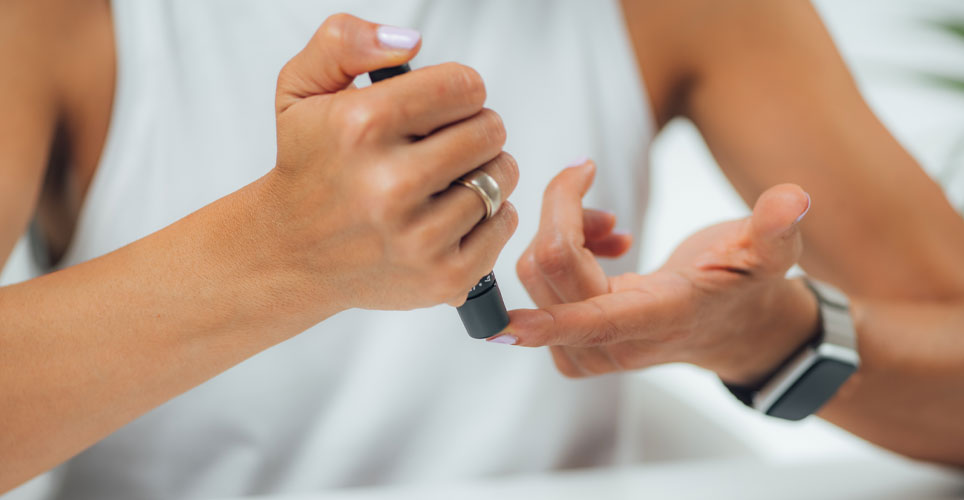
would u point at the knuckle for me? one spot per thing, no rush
(384, 195)
(510, 169)
(596, 366)
(333, 29)
(508, 217)
(466, 82)
(602, 333)
(623, 359)
(358, 120)
(492, 128)
(525, 268)
(553, 257)
(566, 367)
(286, 73)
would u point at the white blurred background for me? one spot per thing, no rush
(889, 45)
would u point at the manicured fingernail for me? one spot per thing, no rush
(578, 161)
(805, 210)
(398, 38)
(505, 338)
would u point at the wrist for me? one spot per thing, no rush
(284, 292)
(790, 320)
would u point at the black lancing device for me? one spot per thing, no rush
(483, 313)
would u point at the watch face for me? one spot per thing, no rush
(814, 388)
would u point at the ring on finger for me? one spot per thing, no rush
(486, 187)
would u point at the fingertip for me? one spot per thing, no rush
(624, 241)
(504, 338)
(527, 326)
(780, 208)
(511, 215)
(806, 209)
(612, 245)
(588, 172)
(397, 38)
(597, 223)
(582, 160)
(577, 176)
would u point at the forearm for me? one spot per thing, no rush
(776, 104)
(878, 227)
(907, 394)
(87, 349)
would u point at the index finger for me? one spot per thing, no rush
(652, 310)
(562, 202)
(559, 245)
(427, 99)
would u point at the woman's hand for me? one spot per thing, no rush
(361, 197)
(721, 301)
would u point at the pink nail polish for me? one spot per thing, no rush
(579, 161)
(800, 217)
(506, 339)
(398, 38)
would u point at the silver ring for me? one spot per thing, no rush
(486, 187)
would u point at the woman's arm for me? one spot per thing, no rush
(354, 214)
(721, 302)
(908, 395)
(766, 87)
(775, 103)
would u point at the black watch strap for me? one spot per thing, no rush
(745, 393)
(813, 373)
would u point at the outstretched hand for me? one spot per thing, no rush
(721, 301)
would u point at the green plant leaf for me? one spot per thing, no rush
(948, 82)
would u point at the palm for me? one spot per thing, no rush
(708, 290)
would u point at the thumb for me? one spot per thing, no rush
(343, 48)
(773, 232)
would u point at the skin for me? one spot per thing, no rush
(878, 228)
(367, 203)
(73, 370)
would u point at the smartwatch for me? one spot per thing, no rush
(814, 373)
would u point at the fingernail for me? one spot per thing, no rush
(398, 38)
(800, 217)
(505, 338)
(578, 161)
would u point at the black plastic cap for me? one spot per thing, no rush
(484, 315)
(385, 73)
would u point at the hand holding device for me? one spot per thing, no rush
(483, 313)
(359, 205)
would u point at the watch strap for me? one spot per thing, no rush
(813, 373)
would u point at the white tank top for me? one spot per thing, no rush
(365, 397)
